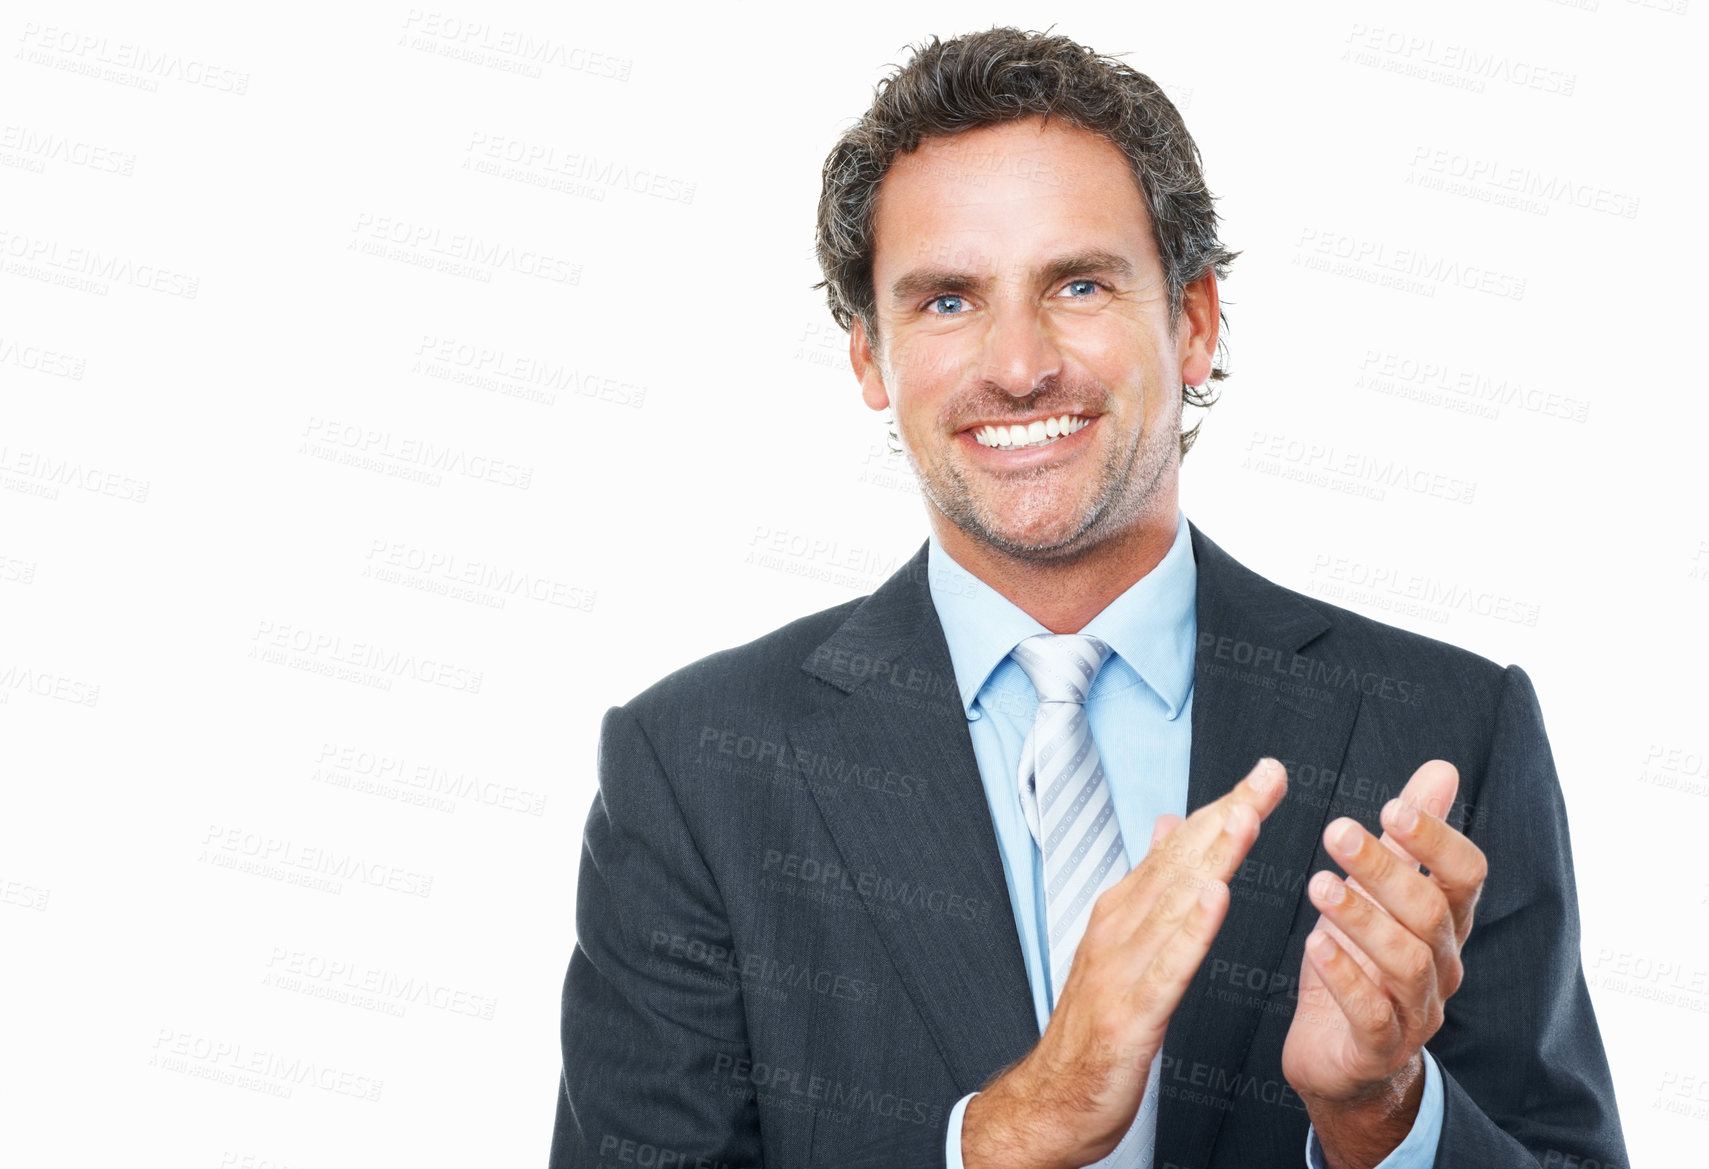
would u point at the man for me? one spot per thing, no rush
(1028, 858)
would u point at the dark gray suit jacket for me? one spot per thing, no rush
(795, 945)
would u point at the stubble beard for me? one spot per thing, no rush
(1126, 483)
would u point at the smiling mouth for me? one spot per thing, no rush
(1042, 432)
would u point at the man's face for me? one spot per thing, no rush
(1017, 284)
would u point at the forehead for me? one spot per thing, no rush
(1005, 195)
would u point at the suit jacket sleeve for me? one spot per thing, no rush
(657, 1065)
(649, 1040)
(1525, 1079)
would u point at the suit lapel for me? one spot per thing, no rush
(1247, 703)
(930, 872)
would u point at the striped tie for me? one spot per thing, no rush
(1064, 793)
(1068, 807)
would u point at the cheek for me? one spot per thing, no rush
(1115, 352)
(923, 381)
(933, 363)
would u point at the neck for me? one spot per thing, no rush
(1064, 595)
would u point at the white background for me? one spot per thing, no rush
(639, 433)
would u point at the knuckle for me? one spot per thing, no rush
(1150, 989)
(1416, 964)
(1433, 1017)
(1453, 974)
(1213, 886)
(1380, 863)
(1156, 879)
(1376, 1014)
(1438, 921)
(1480, 869)
(1355, 906)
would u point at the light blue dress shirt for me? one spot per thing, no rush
(1140, 713)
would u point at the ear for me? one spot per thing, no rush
(872, 388)
(1200, 319)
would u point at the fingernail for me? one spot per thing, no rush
(1319, 944)
(1399, 817)
(1263, 777)
(1327, 888)
(1346, 836)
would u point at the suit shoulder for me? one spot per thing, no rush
(1403, 653)
(1330, 636)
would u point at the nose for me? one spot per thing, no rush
(1020, 356)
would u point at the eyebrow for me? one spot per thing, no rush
(946, 280)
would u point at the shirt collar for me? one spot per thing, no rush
(1152, 626)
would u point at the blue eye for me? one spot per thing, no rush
(953, 300)
(1088, 287)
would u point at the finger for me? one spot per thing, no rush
(1406, 964)
(1259, 793)
(1457, 866)
(1261, 790)
(1391, 881)
(1347, 943)
(1161, 828)
(1174, 957)
(1164, 885)
(1209, 844)
(1364, 1008)
(1390, 842)
(1432, 788)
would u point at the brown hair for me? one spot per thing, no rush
(1002, 75)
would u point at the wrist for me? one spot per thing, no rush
(1360, 1130)
(1047, 1112)
(997, 1130)
(1012, 1124)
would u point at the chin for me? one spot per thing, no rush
(1046, 541)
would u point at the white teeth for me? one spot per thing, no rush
(1008, 438)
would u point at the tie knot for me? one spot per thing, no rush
(1061, 665)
